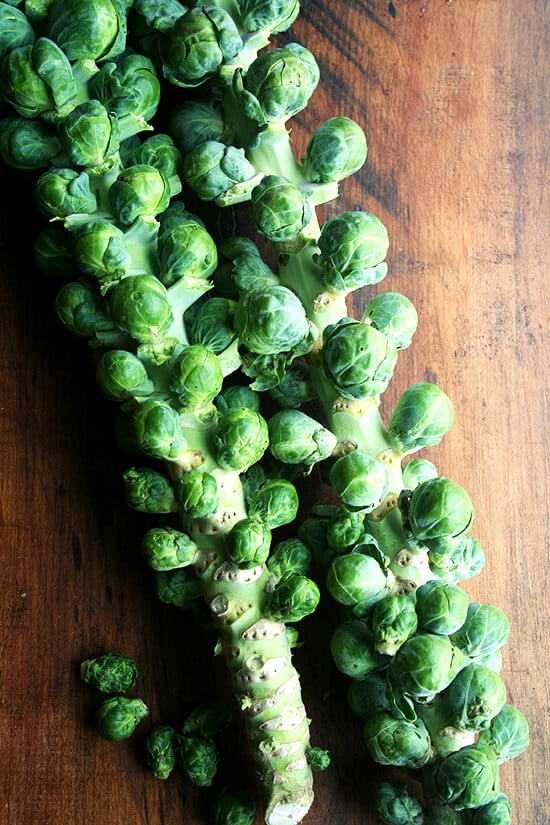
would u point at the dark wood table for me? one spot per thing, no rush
(454, 101)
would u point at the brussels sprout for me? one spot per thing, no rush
(213, 169)
(140, 307)
(417, 470)
(439, 507)
(279, 83)
(91, 137)
(485, 629)
(88, 29)
(27, 145)
(425, 665)
(280, 209)
(359, 480)
(475, 695)
(63, 192)
(246, 271)
(148, 490)
(160, 750)
(199, 758)
(232, 806)
(237, 397)
(196, 377)
(212, 325)
(247, 543)
(121, 376)
(207, 719)
(165, 548)
(465, 558)
(293, 598)
(294, 388)
(110, 673)
(355, 578)
(202, 41)
(15, 29)
(392, 741)
(152, 20)
(353, 651)
(275, 16)
(118, 717)
(468, 778)
(289, 556)
(129, 88)
(497, 812)
(394, 315)
(421, 418)
(295, 438)
(357, 358)
(441, 606)
(336, 150)
(275, 502)
(369, 695)
(241, 439)
(197, 493)
(53, 251)
(393, 621)
(139, 191)
(178, 587)
(81, 310)
(159, 151)
(507, 734)
(270, 320)
(156, 429)
(345, 529)
(395, 805)
(318, 759)
(195, 122)
(100, 251)
(352, 247)
(185, 248)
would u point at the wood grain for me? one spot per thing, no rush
(454, 101)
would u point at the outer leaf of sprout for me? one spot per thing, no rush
(289, 556)
(185, 249)
(88, 29)
(416, 471)
(15, 29)
(100, 251)
(179, 587)
(196, 377)
(497, 812)
(270, 320)
(352, 246)
(369, 695)
(63, 192)
(274, 15)
(194, 122)
(128, 86)
(475, 695)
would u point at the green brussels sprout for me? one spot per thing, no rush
(422, 416)
(140, 307)
(213, 169)
(139, 191)
(279, 83)
(118, 717)
(352, 650)
(196, 377)
(507, 734)
(295, 438)
(439, 507)
(232, 806)
(293, 598)
(195, 122)
(27, 145)
(237, 397)
(345, 529)
(246, 270)
(199, 758)
(81, 310)
(53, 251)
(207, 719)
(289, 556)
(160, 750)
(394, 315)
(395, 805)
(37, 81)
(129, 88)
(271, 319)
(417, 470)
(318, 759)
(241, 439)
(247, 544)
(275, 503)
(355, 578)
(197, 493)
(15, 29)
(121, 376)
(438, 813)
(201, 43)
(91, 137)
(425, 665)
(159, 151)
(156, 429)
(110, 673)
(179, 587)
(294, 388)
(485, 629)
(148, 490)
(496, 812)
(275, 16)
(63, 192)
(336, 150)
(280, 209)
(392, 741)
(100, 251)
(185, 248)
(165, 548)
(475, 695)
(212, 325)
(465, 558)
(441, 606)
(352, 247)
(467, 778)
(357, 358)
(360, 481)
(88, 29)
(152, 20)
(369, 695)
(393, 621)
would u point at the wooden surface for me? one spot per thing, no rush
(454, 101)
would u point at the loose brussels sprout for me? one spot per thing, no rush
(201, 42)
(280, 209)
(507, 734)
(369, 695)
(185, 249)
(275, 16)
(212, 325)
(110, 673)
(395, 805)
(237, 397)
(345, 529)
(195, 122)
(212, 169)
(247, 543)
(275, 502)
(91, 137)
(140, 307)
(160, 750)
(425, 665)
(352, 247)
(156, 429)
(165, 548)
(241, 439)
(497, 812)
(475, 695)
(289, 556)
(359, 480)
(336, 150)
(438, 508)
(357, 358)
(197, 493)
(129, 88)
(441, 606)
(392, 741)
(279, 83)
(422, 416)
(63, 192)
(196, 377)
(393, 621)
(139, 191)
(353, 651)
(295, 438)
(27, 145)
(37, 81)
(118, 717)
(199, 758)
(121, 376)
(15, 29)
(355, 578)
(485, 629)
(468, 778)
(81, 309)
(293, 598)
(88, 29)
(271, 319)
(394, 315)
(100, 251)
(416, 471)
(148, 490)
(179, 587)
(232, 806)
